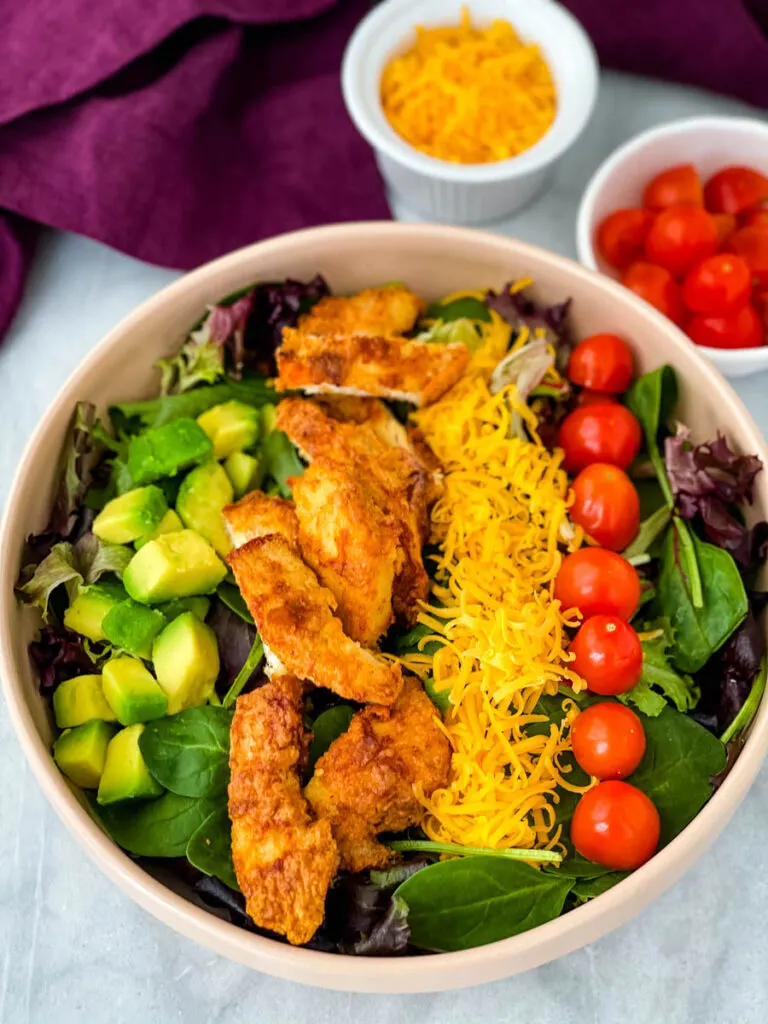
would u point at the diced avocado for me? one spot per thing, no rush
(186, 662)
(268, 419)
(131, 516)
(244, 471)
(86, 613)
(80, 753)
(79, 700)
(133, 627)
(203, 494)
(181, 564)
(164, 451)
(231, 426)
(170, 523)
(125, 775)
(132, 693)
(199, 606)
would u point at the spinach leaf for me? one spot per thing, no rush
(471, 901)
(132, 417)
(749, 707)
(188, 753)
(440, 698)
(233, 599)
(280, 461)
(659, 675)
(155, 828)
(652, 398)
(650, 494)
(467, 308)
(210, 848)
(251, 663)
(430, 848)
(649, 532)
(588, 888)
(327, 727)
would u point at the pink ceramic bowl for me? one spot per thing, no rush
(434, 261)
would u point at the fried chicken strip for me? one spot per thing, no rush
(259, 514)
(284, 860)
(385, 311)
(364, 783)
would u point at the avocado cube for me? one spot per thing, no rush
(131, 692)
(186, 662)
(244, 471)
(80, 753)
(165, 451)
(133, 627)
(203, 494)
(87, 612)
(268, 419)
(197, 605)
(170, 523)
(133, 515)
(181, 564)
(125, 775)
(79, 700)
(231, 426)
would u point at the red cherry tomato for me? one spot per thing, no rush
(589, 397)
(719, 284)
(621, 236)
(657, 286)
(740, 329)
(616, 825)
(602, 362)
(675, 185)
(608, 740)
(607, 655)
(754, 218)
(679, 237)
(751, 243)
(735, 189)
(726, 224)
(606, 432)
(598, 582)
(606, 504)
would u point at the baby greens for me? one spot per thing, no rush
(188, 753)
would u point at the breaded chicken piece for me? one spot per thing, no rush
(385, 311)
(259, 514)
(351, 543)
(364, 783)
(284, 860)
(294, 616)
(356, 364)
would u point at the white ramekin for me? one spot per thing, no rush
(469, 193)
(708, 143)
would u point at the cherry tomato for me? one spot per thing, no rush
(657, 286)
(606, 504)
(607, 655)
(754, 218)
(735, 189)
(621, 236)
(719, 284)
(679, 237)
(726, 224)
(608, 740)
(616, 825)
(675, 185)
(589, 397)
(598, 582)
(751, 243)
(602, 362)
(740, 329)
(606, 432)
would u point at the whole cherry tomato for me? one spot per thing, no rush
(607, 655)
(621, 236)
(589, 397)
(598, 582)
(602, 362)
(726, 224)
(616, 825)
(675, 185)
(719, 284)
(657, 286)
(606, 432)
(735, 189)
(606, 505)
(679, 237)
(740, 329)
(751, 243)
(608, 740)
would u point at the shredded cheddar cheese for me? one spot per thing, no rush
(469, 95)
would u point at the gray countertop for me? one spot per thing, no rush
(73, 948)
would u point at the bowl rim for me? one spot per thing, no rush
(738, 358)
(558, 138)
(446, 970)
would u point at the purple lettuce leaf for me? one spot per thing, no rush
(520, 310)
(389, 935)
(727, 678)
(235, 638)
(57, 655)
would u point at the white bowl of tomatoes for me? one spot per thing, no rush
(679, 214)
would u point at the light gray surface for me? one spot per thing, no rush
(73, 948)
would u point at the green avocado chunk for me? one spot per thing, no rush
(170, 523)
(125, 775)
(80, 753)
(131, 692)
(181, 564)
(231, 426)
(133, 627)
(132, 516)
(87, 612)
(244, 471)
(165, 451)
(203, 494)
(79, 700)
(186, 662)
